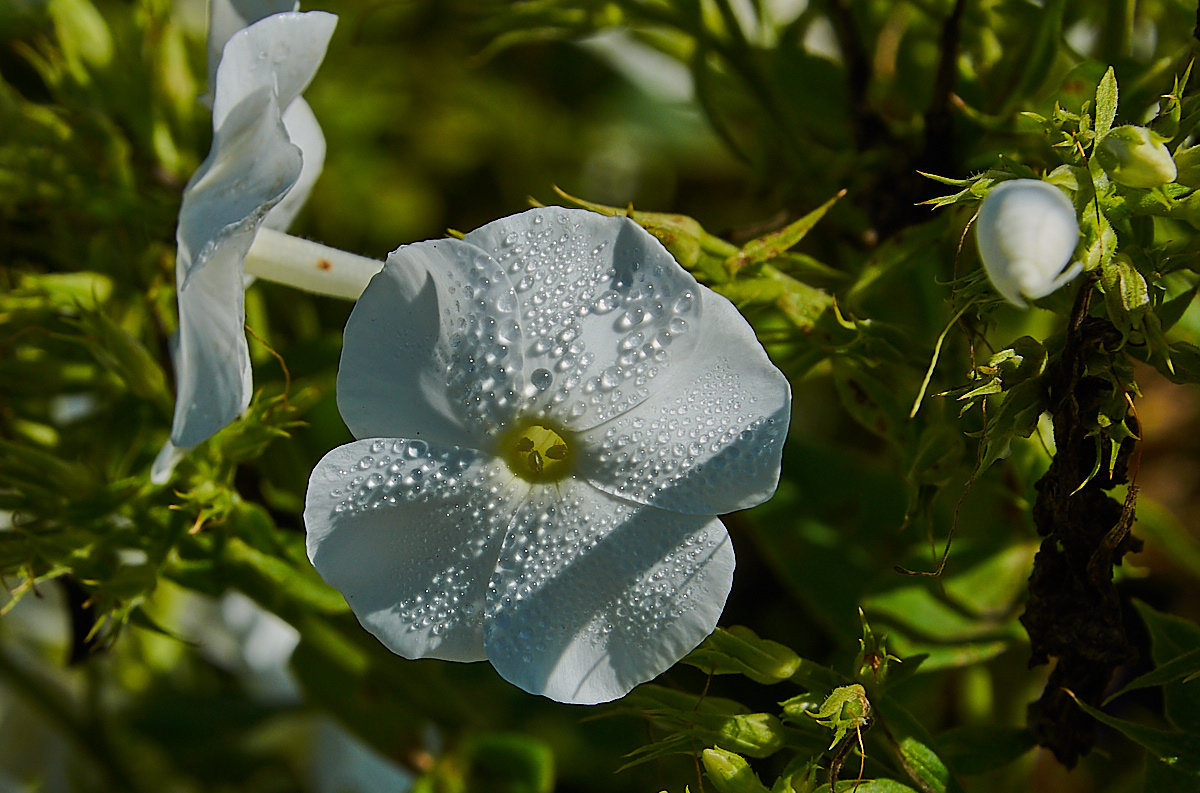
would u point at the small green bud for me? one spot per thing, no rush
(1187, 163)
(755, 734)
(730, 773)
(1136, 157)
(679, 234)
(738, 650)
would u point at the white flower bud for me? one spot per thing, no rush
(1136, 157)
(1026, 232)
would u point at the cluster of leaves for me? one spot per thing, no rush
(922, 399)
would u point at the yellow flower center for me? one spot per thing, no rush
(537, 452)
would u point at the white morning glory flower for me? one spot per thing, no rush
(266, 153)
(1026, 231)
(551, 412)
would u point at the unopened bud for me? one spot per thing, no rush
(730, 773)
(738, 650)
(1136, 157)
(1026, 231)
(755, 734)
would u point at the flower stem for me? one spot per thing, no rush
(310, 266)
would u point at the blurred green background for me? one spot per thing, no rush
(176, 639)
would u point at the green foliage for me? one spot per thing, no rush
(819, 167)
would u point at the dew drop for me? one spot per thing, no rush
(630, 318)
(506, 302)
(606, 302)
(541, 379)
(633, 341)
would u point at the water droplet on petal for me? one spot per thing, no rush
(506, 302)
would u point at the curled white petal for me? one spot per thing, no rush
(252, 166)
(281, 52)
(305, 134)
(226, 17)
(1027, 231)
(409, 532)
(594, 595)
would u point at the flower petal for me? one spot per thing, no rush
(1026, 231)
(305, 133)
(281, 52)
(251, 166)
(226, 17)
(709, 440)
(594, 595)
(409, 532)
(431, 349)
(604, 309)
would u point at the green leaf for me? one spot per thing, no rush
(1099, 238)
(924, 766)
(872, 786)
(1171, 638)
(911, 743)
(1172, 310)
(1017, 417)
(799, 302)
(1179, 667)
(1178, 749)
(1106, 103)
(770, 246)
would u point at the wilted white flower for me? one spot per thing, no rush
(551, 412)
(1026, 231)
(266, 153)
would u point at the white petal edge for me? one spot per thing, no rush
(604, 308)
(409, 533)
(251, 166)
(710, 439)
(304, 132)
(281, 52)
(226, 17)
(429, 350)
(593, 595)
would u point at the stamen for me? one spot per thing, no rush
(537, 452)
